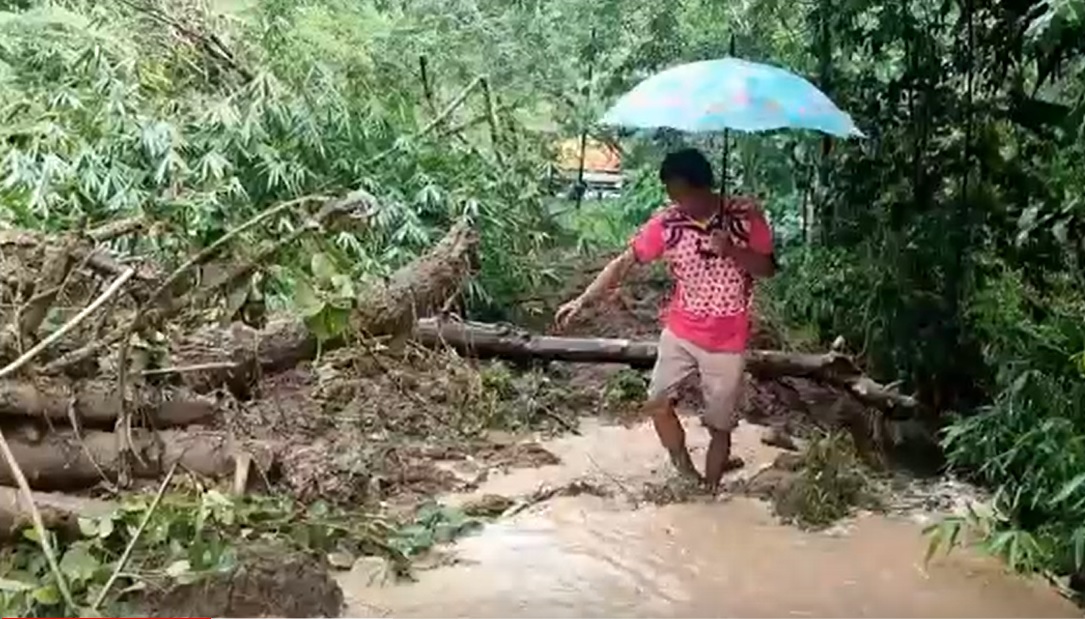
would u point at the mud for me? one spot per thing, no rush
(269, 581)
(621, 555)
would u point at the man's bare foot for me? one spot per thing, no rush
(684, 465)
(733, 464)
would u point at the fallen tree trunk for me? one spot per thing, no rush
(389, 308)
(236, 355)
(95, 403)
(61, 461)
(486, 340)
(59, 512)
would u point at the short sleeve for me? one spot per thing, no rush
(760, 233)
(648, 242)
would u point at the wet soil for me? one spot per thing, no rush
(613, 551)
(269, 581)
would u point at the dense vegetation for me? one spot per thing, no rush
(946, 249)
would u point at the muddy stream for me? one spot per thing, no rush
(588, 556)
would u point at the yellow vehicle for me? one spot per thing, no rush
(602, 167)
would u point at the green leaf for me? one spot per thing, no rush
(306, 300)
(48, 595)
(1079, 547)
(344, 286)
(78, 563)
(178, 568)
(322, 267)
(31, 534)
(88, 527)
(105, 527)
(331, 322)
(1069, 489)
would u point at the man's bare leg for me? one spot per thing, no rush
(719, 459)
(673, 436)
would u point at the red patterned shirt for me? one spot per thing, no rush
(712, 296)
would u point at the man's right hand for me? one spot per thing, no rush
(567, 312)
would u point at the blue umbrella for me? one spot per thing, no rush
(729, 93)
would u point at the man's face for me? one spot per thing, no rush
(678, 190)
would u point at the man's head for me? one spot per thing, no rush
(687, 175)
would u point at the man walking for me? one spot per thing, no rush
(713, 251)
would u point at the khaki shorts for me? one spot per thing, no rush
(721, 377)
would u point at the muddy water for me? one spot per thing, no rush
(592, 557)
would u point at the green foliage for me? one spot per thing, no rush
(831, 481)
(625, 387)
(325, 298)
(519, 401)
(107, 116)
(1029, 443)
(433, 524)
(189, 536)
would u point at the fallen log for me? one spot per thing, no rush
(507, 342)
(94, 403)
(237, 354)
(61, 461)
(59, 512)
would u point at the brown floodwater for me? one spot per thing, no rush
(588, 556)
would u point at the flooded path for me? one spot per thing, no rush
(588, 556)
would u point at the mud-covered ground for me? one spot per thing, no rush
(379, 429)
(365, 425)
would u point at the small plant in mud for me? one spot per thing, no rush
(829, 482)
(522, 400)
(625, 387)
(433, 524)
(325, 298)
(192, 536)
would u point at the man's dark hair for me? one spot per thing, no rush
(689, 165)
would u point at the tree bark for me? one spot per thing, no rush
(388, 308)
(485, 340)
(95, 403)
(60, 461)
(59, 512)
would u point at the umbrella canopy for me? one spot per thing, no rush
(729, 93)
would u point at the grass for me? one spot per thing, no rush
(829, 484)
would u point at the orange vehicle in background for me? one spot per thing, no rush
(602, 167)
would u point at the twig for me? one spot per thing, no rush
(209, 41)
(212, 249)
(135, 538)
(478, 120)
(124, 419)
(358, 201)
(39, 526)
(12, 367)
(561, 421)
(114, 229)
(77, 430)
(491, 117)
(31, 315)
(427, 89)
(183, 369)
(437, 120)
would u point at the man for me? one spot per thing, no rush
(713, 251)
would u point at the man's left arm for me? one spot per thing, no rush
(756, 258)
